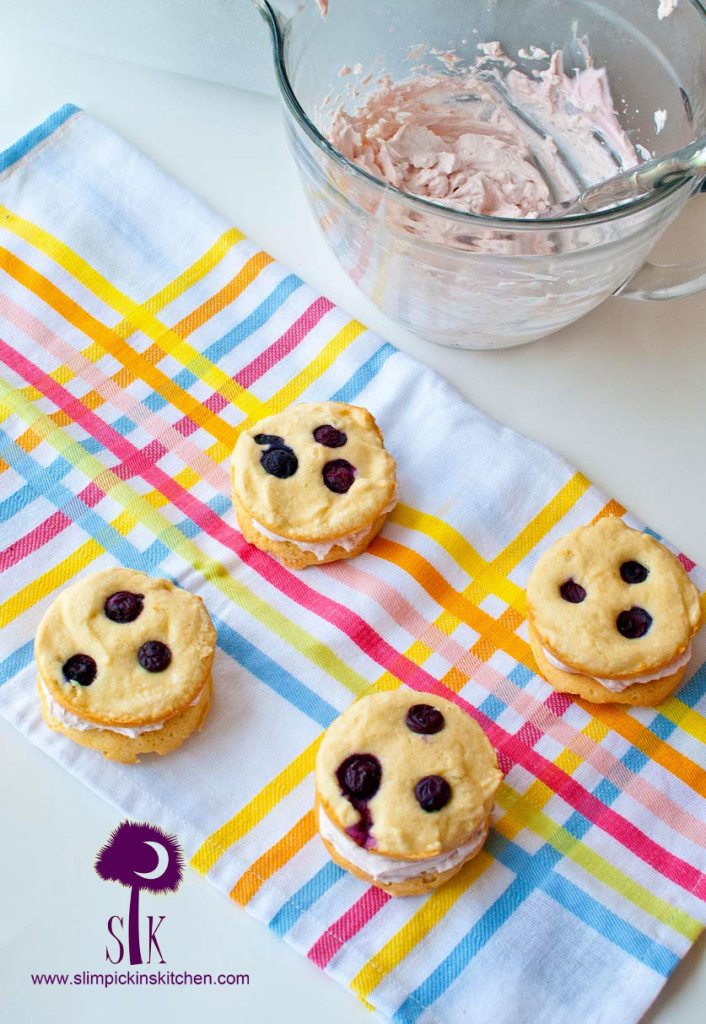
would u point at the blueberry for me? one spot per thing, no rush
(122, 606)
(271, 439)
(360, 832)
(424, 719)
(279, 462)
(330, 436)
(154, 656)
(634, 572)
(573, 592)
(80, 668)
(432, 792)
(359, 776)
(338, 476)
(633, 623)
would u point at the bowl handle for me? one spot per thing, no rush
(666, 280)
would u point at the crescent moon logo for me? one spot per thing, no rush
(162, 861)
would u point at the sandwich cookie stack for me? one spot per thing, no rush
(611, 615)
(314, 483)
(405, 784)
(124, 664)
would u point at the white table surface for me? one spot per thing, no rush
(622, 394)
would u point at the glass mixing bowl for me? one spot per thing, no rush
(473, 281)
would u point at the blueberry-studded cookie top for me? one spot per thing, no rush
(611, 601)
(123, 648)
(406, 774)
(316, 471)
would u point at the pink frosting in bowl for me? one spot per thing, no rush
(491, 140)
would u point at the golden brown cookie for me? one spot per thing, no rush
(313, 483)
(611, 615)
(405, 784)
(126, 655)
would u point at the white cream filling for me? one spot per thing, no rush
(348, 542)
(67, 718)
(388, 869)
(617, 685)
(321, 549)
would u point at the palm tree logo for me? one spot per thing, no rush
(128, 858)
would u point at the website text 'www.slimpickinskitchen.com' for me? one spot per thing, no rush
(108, 979)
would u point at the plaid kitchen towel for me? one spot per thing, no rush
(138, 336)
